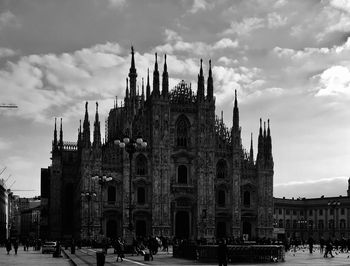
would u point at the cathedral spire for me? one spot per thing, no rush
(97, 131)
(251, 152)
(54, 144)
(156, 78)
(210, 87)
(132, 75)
(143, 90)
(127, 89)
(268, 142)
(235, 122)
(200, 88)
(165, 84)
(148, 87)
(86, 128)
(61, 136)
(261, 144)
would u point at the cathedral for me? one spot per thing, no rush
(168, 166)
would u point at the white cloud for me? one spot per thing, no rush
(334, 81)
(200, 5)
(280, 3)
(341, 4)
(6, 52)
(7, 18)
(275, 20)
(245, 27)
(225, 43)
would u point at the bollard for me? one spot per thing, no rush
(100, 258)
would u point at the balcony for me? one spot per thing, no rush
(109, 205)
(182, 188)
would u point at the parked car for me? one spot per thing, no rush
(48, 247)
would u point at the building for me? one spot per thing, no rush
(193, 180)
(301, 218)
(3, 212)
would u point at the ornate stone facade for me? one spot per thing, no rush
(193, 180)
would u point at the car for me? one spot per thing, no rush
(49, 247)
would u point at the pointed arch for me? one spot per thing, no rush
(221, 169)
(141, 164)
(182, 131)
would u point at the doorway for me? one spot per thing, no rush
(182, 224)
(221, 229)
(111, 229)
(140, 228)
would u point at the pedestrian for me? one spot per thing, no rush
(310, 241)
(322, 242)
(8, 246)
(120, 249)
(222, 253)
(329, 248)
(15, 246)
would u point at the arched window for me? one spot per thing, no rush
(280, 223)
(311, 224)
(221, 198)
(111, 195)
(182, 131)
(221, 169)
(246, 199)
(342, 224)
(141, 195)
(330, 224)
(320, 224)
(141, 165)
(287, 224)
(182, 174)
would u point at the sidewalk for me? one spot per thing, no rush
(87, 256)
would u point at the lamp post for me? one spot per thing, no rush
(333, 204)
(131, 146)
(88, 196)
(102, 180)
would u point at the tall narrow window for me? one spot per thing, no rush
(141, 165)
(141, 195)
(221, 169)
(182, 132)
(111, 194)
(182, 174)
(246, 199)
(221, 198)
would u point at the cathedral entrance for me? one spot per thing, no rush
(111, 231)
(247, 229)
(141, 228)
(221, 229)
(182, 224)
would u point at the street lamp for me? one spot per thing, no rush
(333, 205)
(130, 146)
(102, 180)
(88, 196)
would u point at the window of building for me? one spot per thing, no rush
(342, 224)
(342, 211)
(320, 224)
(295, 224)
(294, 212)
(320, 211)
(280, 211)
(182, 174)
(246, 199)
(287, 212)
(310, 212)
(111, 194)
(221, 198)
(280, 223)
(287, 224)
(141, 165)
(141, 195)
(330, 223)
(182, 131)
(311, 224)
(331, 211)
(221, 169)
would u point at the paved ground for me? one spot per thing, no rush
(300, 257)
(87, 256)
(30, 258)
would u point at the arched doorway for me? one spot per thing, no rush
(141, 228)
(247, 229)
(111, 227)
(182, 224)
(221, 229)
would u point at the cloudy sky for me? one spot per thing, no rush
(288, 60)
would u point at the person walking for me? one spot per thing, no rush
(329, 248)
(310, 241)
(15, 246)
(8, 246)
(120, 249)
(322, 242)
(222, 253)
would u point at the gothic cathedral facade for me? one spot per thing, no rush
(193, 180)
